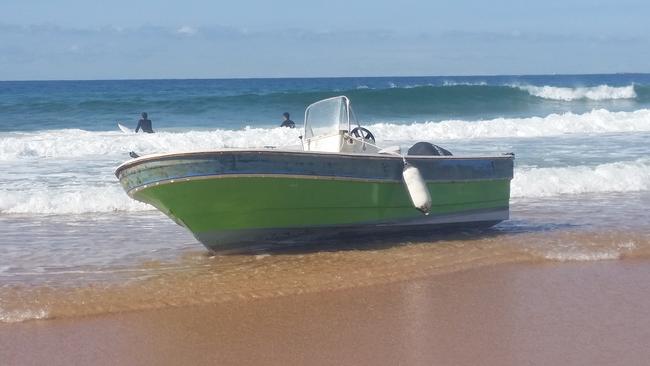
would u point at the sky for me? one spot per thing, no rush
(75, 39)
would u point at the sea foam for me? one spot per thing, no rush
(78, 143)
(627, 176)
(69, 200)
(601, 92)
(586, 251)
(528, 182)
(17, 316)
(596, 121)
(70, 171)
(72, 143)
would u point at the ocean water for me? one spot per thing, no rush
(73, 243)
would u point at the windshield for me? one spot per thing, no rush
(327, 117)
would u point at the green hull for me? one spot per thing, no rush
(239, 206)
(256, 202)
(206, 206)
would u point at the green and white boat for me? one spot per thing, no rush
(338, 182)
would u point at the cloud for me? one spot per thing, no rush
(186, 30)
(150, 51)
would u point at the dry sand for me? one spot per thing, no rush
(595, 313)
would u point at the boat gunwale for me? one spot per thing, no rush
(131, 192)
(169, 156)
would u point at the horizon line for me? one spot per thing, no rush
(324, 77)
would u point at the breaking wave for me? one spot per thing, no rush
(527, 183)
(69, 200)
(596, 121)
(601, 92)
(78, 143)
(612, 177)
(70, 171)
(216, 107)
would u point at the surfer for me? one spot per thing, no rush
(287, 122)
(144, 123)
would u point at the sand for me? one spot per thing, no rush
(593, 313)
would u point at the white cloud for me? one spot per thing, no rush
(186, 30)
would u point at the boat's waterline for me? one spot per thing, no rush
(267, 238)
(250, 198)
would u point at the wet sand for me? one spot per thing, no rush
(593, 313)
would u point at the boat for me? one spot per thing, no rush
(337, 182)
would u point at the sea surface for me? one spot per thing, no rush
(73, 243)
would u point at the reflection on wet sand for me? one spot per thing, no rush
(200, 278)
(591, 313)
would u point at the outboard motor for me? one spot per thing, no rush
(428, 149)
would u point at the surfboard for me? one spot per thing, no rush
(124, 128)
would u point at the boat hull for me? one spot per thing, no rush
(234, 200)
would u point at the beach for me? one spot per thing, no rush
(90, 276)
(324, 183)
(591, 313)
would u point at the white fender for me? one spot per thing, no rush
(417, 189)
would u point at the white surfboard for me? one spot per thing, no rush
(124, 128)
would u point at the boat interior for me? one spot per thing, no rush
(331, 126)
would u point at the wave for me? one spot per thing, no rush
(596, 121)
(628, 176)
(464, 83)
(69, 200)
(78, 143)
(601, 92)
(449, 100)
(528, 182)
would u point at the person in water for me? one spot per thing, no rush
(144, 123)
(287, 122)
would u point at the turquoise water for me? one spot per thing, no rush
(233, 104)
(59, 140)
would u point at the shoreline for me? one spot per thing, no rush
(515, 313)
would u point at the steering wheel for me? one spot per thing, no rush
(362, 133)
